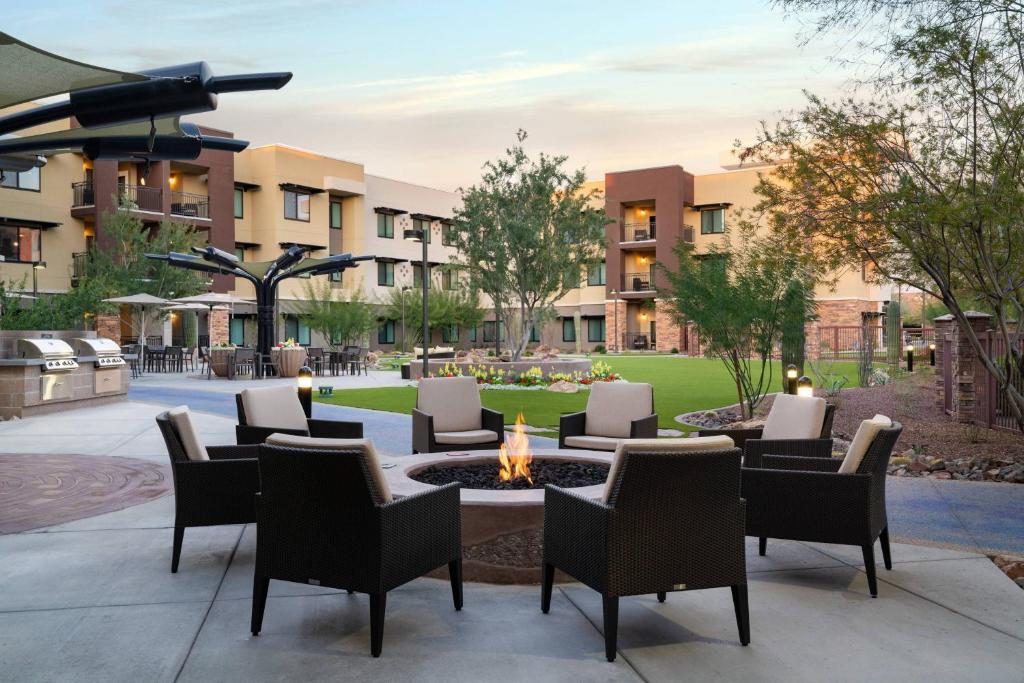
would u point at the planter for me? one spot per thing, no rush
(221, 360)
(289, 360)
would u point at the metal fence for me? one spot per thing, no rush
(846, 342)
(993, 409)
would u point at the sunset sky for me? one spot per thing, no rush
(427, 91)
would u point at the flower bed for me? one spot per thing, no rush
(493, 375)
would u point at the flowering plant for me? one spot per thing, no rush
(531, 378)
(449, 370)
(289, 343)
(602, 372)
(218, 346)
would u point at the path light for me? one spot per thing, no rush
(791, 378)
(305, 380)
(910, 357)
(804, 386)
(931, 354)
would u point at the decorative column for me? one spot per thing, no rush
(670, 333)
(614, 336)
(217, 324)
(109, 326)
(966, 368)
(944, 326)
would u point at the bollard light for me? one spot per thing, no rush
(305, 379)
(910, 357)
(931, 354)
(804, 386)
(791, 378)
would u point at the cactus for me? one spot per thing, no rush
(893, 334)
(190, 329)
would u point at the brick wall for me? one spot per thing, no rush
(966, 369)
(614, 335)
(844, 312)
(109, 326)
(944, 326)
(218, 326)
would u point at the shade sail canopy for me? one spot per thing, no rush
(30, 73)
(137, 300)
(211, 299)
(64, 140)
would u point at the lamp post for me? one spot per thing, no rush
(615, 297)
(417, 235)
(404, 290)
(791, 379)
(910, 357)
(804, 386)
(931, 354)
(305, 390)
(36, 267)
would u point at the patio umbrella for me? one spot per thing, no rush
(142, 300)
(214, 299)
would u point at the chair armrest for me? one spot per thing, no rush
(233, 452)
(807, 505)
(738, 436)
(573, 424)
(248, 434)
(422, 432)
(420, 533)
(335, 429)
(794, 462)
(754, 449)
(494, 421)
(644, 428)
(576, 531)
(216, 491)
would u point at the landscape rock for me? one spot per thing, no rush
(563, 387)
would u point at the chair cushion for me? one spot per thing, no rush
(363, 446)
(613, 406)
(682, 446)
(274, 407)
(454, 402)
(467, 437)
(181, 420)
(795, 417)
(866, 434)
(594, 443)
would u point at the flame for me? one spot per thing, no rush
(514, 455)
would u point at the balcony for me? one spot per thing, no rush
(131, 197)
(79, 265)
(639, 232)
(637, 282)
(190, 205)
(82, 194)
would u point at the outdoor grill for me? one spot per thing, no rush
(57, 353)
(106, 351)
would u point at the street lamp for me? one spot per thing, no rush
(931, 354)
(804, 386)
(615, 297)
(36, 267)
(404, 290)
(418, 235)
(910, 357)
(791, 378)
(305, 390)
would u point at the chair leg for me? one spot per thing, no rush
(455, 576)
(661, 596)
(886, 555)
(377, 604)
(739, 603)
(179, 535)
(260, 586)
(869, 567)
(547, 581)
(611, 626)
(762, 545)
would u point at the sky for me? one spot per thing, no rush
(426, 92)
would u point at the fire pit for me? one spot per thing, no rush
(502, 513)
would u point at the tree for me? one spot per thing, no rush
(922, 178)
(527, 231)
(341, 318)
(736, 295)
(458, 308)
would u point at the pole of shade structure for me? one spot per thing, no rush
(305, 390)
(910, 357)
(426, 322)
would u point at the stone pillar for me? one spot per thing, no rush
(669, 332)
(944, 326)
(109, 326)
(614, 335)
(967, 368)
(217, 325)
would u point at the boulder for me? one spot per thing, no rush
(563, 387)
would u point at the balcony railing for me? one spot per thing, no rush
(79, 264)
(82, 194)
(639, 232)
(138, 197)
(189, 204)
(688, 234)
(636, 282)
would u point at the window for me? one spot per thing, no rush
(449, 334)
(595, 329)
(336, 215)
(534, 334)
(489, 331)
(296, 206)
(385, 274)
(237, 331)
(423, 225)
(568, 330)
(712, 221)
(472, 334)
(336, 276)
(449, 235)
(596, 275)
(385, 225)
(26, 180)
(297, 330)
(239, 202)
(449, 279)
(386, 332)
(240, 254)
(417, 276)
(20, 244)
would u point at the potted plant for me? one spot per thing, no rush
(291, 356)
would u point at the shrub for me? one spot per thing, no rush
(674, 350)
(600, 349)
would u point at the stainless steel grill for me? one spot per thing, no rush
(107, 351)
(57, 353)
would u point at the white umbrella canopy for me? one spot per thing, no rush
(212, 299)
(184, 307)
(138, 300)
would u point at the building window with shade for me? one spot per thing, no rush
(239, 202)
(335, 216)
(568, 330)
(712, 221)
(386, 332)
(296, 206)
(595, 329)
(26, 180)
(596, 274)
(385, 225)
(385, 274)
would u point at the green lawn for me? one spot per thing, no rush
(681, 385)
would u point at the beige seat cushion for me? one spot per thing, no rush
(795, 417)
(365, 446)
(274, 407)
(454, 403)
(613, 406)
(594, 443)
(469, 437)
(682, 446)
(866, 433)
(181, 420)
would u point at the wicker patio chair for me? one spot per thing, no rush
(449, 416)
(826, 500)
(316, 359)
(327, 518)
(266, 410)
(797, 425)
(671, 520)
(615, 411)
(213, 485)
